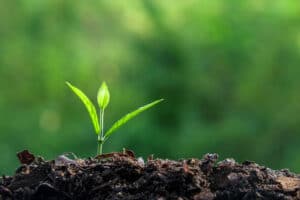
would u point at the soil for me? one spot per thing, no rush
(122, 176)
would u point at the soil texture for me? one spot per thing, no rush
(123, 176)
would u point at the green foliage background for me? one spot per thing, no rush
(228, 69)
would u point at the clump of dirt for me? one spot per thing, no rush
(122, 176)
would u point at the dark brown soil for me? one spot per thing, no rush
(122, 176)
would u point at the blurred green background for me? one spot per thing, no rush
(229, 71)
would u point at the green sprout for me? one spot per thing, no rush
(103, 97)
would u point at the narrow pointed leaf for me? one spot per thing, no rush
(103, 96)
(129, 116)
(88, 104)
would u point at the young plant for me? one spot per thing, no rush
(103, 97)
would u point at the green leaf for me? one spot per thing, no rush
(88, 104)
(129, 116)
(103, 96)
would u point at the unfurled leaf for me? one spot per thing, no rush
(88, 104)
(129, 116)
(103, 96)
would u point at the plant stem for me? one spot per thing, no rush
(99, 149)
(101, 134)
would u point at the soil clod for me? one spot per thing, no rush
(25, 157)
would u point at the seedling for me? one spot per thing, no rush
(103, 97)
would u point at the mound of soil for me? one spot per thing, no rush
(122, 176)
